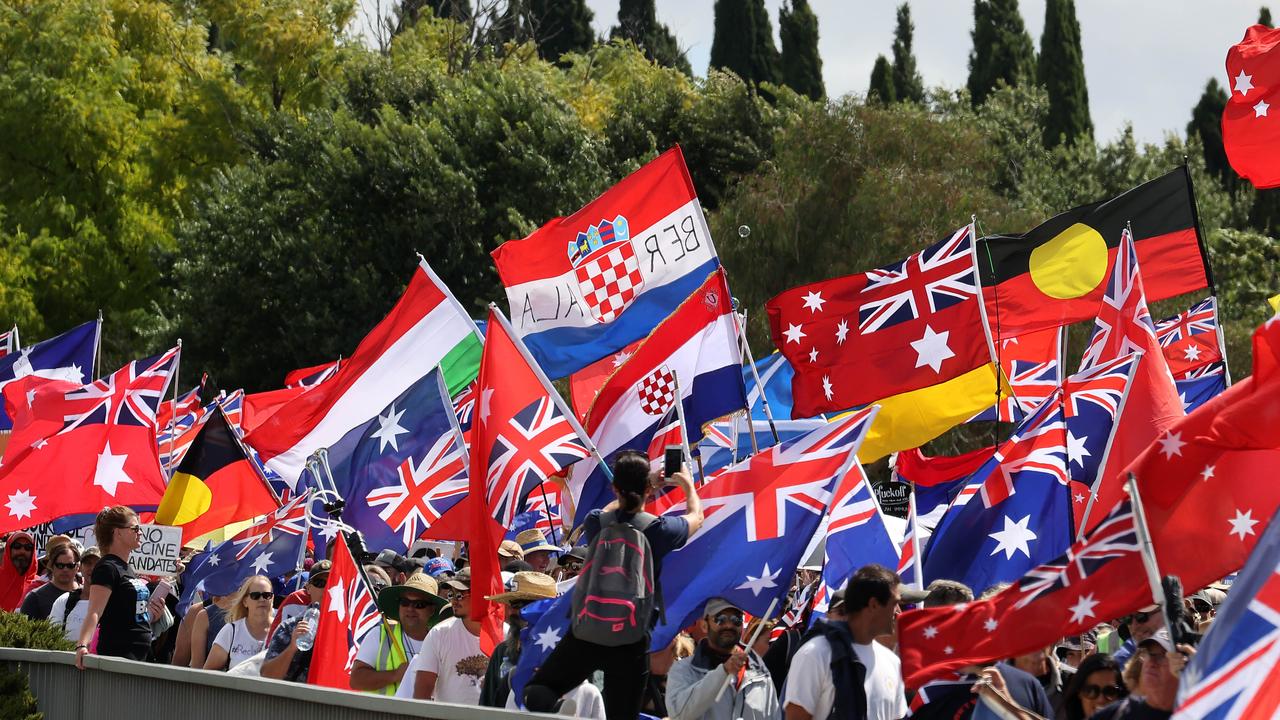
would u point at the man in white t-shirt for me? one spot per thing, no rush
(450, 667)
(823, 672)
(385, 653)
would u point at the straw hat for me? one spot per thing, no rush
(528, 585)
(389, 598)
(533, 540)
(511, 549)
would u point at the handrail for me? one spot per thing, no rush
(302, 695)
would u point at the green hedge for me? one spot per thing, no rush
(19, 631)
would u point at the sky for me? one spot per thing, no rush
(1146, 61)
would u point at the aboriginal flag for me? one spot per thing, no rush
(215, 485)
(1056, 274)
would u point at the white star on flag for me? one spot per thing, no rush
(1185, 402)
(932, 349)
(1192, 353)
(1076, 451)
(813, 301)
(758, 584)
(794, 333)
(1260, 110)
(1171, 444)
(1083, 608)
(1079, 498)
(1207, 473)
(948, 650)
(261, 563)
(930, 632)
(109, 473)
(1242, 524)
(813, 354)
(842, 331)
(1014, 537)
(389, 430)
(21, 503)
(620, 358)
(337, 600)
(548, 639)
(486, 396)
(990, 625)
(213, 559)
(1244, 83)
(826, 387)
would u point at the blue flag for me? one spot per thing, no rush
(272, 546)
(1199, 390)
(775, 375)
(68, 356)
(728, 441)
(856, 536)
(402, 470)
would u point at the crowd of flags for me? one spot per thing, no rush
(440, 427)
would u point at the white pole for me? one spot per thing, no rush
(1145, 544)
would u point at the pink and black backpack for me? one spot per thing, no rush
(615, 601)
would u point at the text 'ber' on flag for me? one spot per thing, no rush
(588, 285)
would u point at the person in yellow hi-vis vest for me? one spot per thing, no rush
(384, 654)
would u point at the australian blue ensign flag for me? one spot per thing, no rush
(68, 356)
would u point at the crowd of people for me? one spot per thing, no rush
(726, 666)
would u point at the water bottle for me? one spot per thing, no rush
(304, 642)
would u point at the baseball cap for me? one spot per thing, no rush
(437, 566)
(715, 606)
(1161, 638)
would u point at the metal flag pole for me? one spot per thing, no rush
(173, 415)
(684, 430)
(751, 362)
(551, 391)
(15, 343)
(914, 531)
(97, 348)
(1222, 345)
(1145, 544)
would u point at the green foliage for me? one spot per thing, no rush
(743, 42)
(19, 631)
(561, 26)
(1264, 16)
(801, 63)
(908, 86)
(1002, 49)
(881, 88)
(1245, 265)
(1060, 70)
(16, 700)
(638, 22)
(1206, 124)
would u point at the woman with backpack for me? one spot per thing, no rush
(245, 632)
(625, 547)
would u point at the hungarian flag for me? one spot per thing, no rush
(1192, 339)
(215, 485)
(861, 338)
(348, 612)
(1056, 274)
(1249, 130)
(103, 453)
(427, 328)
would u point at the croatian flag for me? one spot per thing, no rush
(68, 356)
(588, 285)
(694, 352)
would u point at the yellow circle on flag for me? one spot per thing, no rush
(1070, 265)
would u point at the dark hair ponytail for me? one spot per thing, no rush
(631, 479)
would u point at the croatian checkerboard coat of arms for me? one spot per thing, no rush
(606, 268)
(658, 391)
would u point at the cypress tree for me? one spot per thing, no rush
(1206, 121)
(907, 84)
(638, 22)
(1002, 49)
(743, 41)
(560, 26)
(801, 63)
(881, 89)
(1061, 72)
(1264, 16)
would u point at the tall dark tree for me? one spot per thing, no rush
(1206, 121)
(881, 89)
(560, 26)
(638, 22)
(1265, 213)
(1002, 49)
(743, 42)
(907, 83)
(1264, 16)
(408, 12)
(1061, 72)
(801, 63)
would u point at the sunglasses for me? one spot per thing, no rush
(1157, 658)
(572, 567)
(1142, 617)
(728, 619)
(66, 566)
(261, 595)
(22, 546)
(318, 582)
(1110, 692)
(135, 528)
(457, 594)
(419, 604)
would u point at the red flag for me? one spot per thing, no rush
(314, 375)
(1250, 131)
(1033, 365)
(347, 613)
(519, 438)
(104, 454)
(584, 384)
(915, 467)
(188, 403)
(1191, 339)
(259, 407)
(861, 338)
(1151, 405)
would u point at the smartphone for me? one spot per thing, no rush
(163, 588)
(672, 461)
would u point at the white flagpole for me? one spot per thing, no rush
(913, 530)
(751, 362)
(1222, 346)
(1106, 453)
(97, 348)
(173, 416)
(684, 430)
(550, 390)
(15, 344)
(1145, 544)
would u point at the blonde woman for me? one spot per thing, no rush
(247, 623)
(120, 605)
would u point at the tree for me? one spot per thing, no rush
(638, 22)
(561, 26)
(881, 89)
(907, 83)
(1206, 123)
(801, 63)
(1264, 16)
(743, 41)
(1002, 49)
(1061, 71)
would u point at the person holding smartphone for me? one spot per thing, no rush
(120, 605)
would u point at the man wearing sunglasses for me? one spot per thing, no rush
(383, 656)
(17, 566)
(451, 666)
(1142, 625)
(694, 683)
(63, 562)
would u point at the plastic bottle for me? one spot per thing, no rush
(304, 642)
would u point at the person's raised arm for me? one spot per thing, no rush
(693, 503)
(98, 596)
